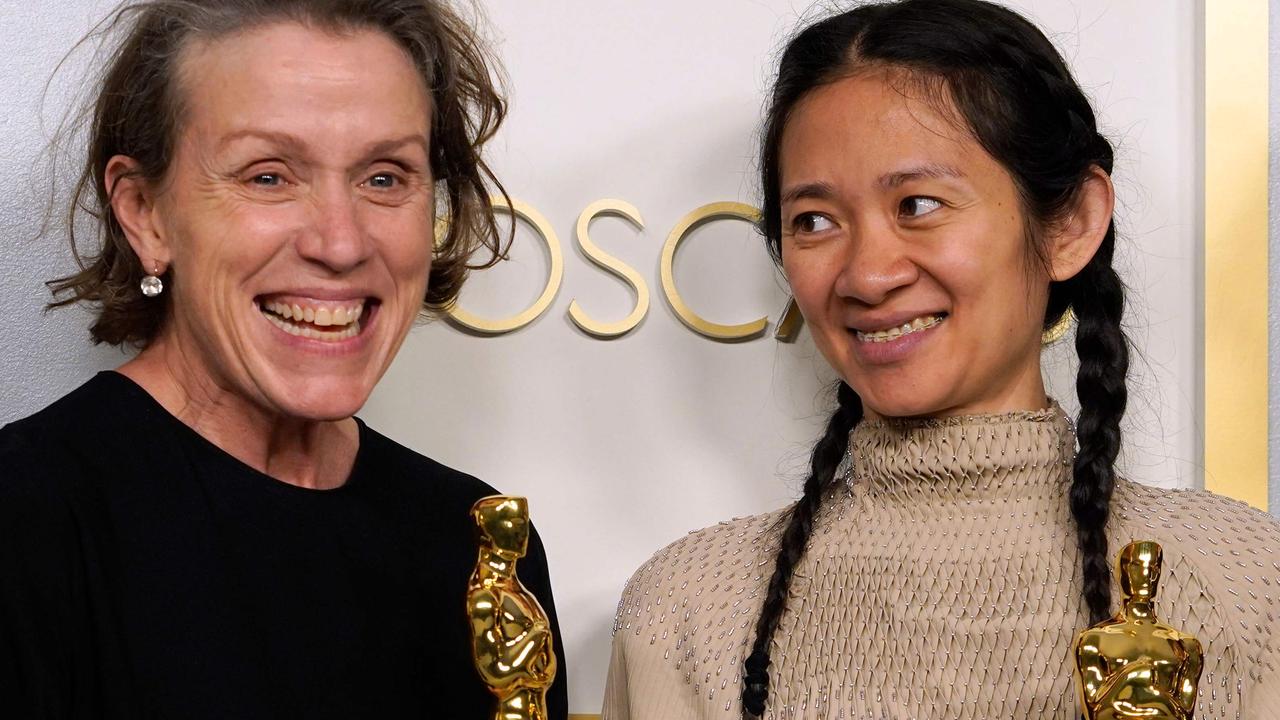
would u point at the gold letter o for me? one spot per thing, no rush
(521, 211)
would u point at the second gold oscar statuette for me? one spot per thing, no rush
(1132, 665)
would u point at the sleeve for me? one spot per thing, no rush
(1245, 572)
(1264, 702)
(1227, 558)
(1261, 579)
(533, 572)
(45, 651)
(616, 703)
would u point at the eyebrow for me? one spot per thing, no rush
(825, 191)
(930, 171)
(808, 191)
(296, 146)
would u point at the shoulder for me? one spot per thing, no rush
(96, 398)
(49, 466)
(1211, 525)
(694, 601)
(434, 489)
(692, 574)
(1221, 572)
(43, 453)
(415, 472)
(101, 419)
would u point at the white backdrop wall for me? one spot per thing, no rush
(623, 445)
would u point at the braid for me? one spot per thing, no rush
(826, 458)
(1098, 298)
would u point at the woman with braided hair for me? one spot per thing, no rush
(938, 195)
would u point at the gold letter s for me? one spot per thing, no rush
(624, 209)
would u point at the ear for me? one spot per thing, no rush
(133, 202)
(1075, 240)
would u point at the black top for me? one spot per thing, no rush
(145, 573)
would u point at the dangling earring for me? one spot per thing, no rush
(1059, 328)
(151, 284)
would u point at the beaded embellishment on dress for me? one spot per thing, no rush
(941, 583)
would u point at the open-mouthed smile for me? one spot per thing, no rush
(326, 321)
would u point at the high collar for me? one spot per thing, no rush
(973, 457)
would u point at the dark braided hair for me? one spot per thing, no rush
(827, 455)
(1020, 102)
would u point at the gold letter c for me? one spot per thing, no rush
(695, 322)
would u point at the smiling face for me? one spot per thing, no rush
(296, 217)
(906, 248)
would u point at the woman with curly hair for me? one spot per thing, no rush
(208, 531)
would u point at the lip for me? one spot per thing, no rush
(875, 322)
(326, 295)
(898, 349)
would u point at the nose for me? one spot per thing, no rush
(875, 264)
(336, 238)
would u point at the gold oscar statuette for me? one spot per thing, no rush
(1132, 665)
(511, 639)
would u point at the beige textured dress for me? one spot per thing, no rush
(943, 581)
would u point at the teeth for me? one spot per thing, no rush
(348, 332)
(921, 323)
(323, 323)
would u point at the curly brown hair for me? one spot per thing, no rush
(137, 111)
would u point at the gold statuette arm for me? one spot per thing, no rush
(505, 638)
(1093, 670)
(1189, 679)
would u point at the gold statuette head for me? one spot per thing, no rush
(1132, 665)
(511, 639)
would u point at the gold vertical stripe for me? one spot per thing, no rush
(1235, 249)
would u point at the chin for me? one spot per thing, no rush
(897, 405)
(319, 401)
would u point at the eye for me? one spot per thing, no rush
(811, 223)
(383, 181)
(267, 180)
(918, 206)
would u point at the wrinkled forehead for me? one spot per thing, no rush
(283, 69)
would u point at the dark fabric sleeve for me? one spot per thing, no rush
(45, 651)
(533, 572)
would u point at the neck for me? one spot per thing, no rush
(316, 454)
(492, 564)
(1138, 609)
(929, 464)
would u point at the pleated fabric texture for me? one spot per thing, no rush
(942, 581)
